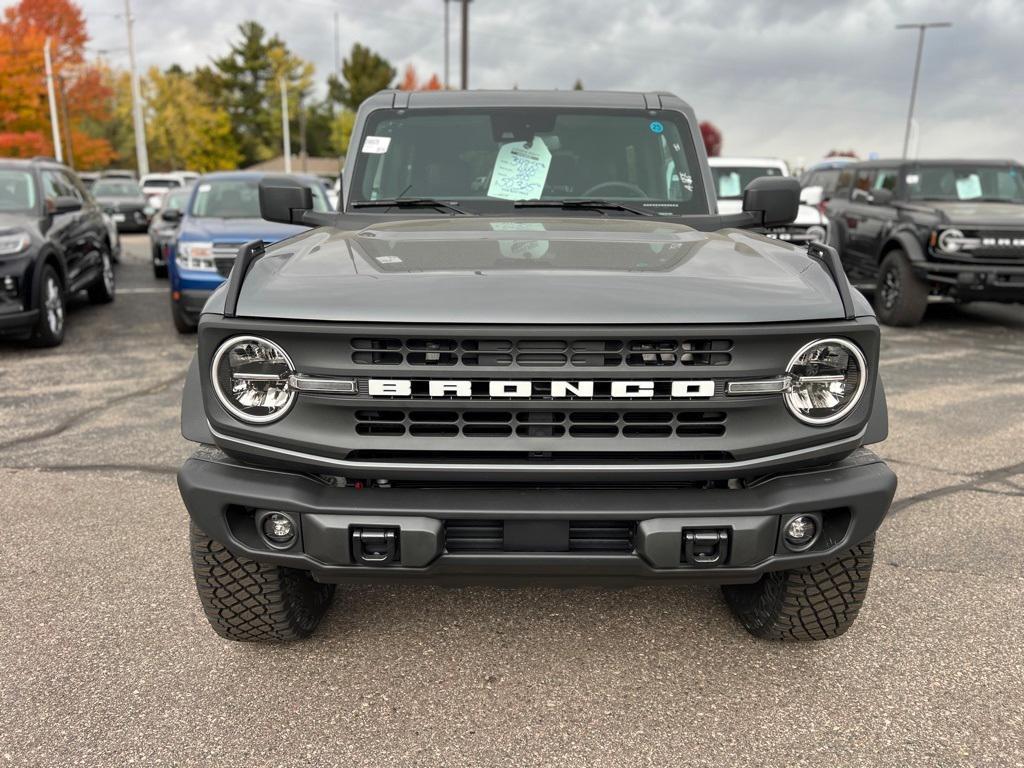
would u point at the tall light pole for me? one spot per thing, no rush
(141, 155)
(447, 83)
(53, 102)
(921, 28)
(465, 44)
(285, 132)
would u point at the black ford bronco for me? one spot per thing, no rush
(931, 230)
(528, 348)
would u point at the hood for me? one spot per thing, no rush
(237, 230)
(543, 271)
(805, 217)
(9, 221)
(121, 200)
(979, 214)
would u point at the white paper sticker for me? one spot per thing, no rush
(376, 145)
(520, 172)
(913, 178)
(968, 187)
(389, 260)
(521, 249)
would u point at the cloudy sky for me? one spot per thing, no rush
(789, 78)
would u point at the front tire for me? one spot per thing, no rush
(52, 303)
(817, 602)
(182, 322)
(254, 602)
(901, 297)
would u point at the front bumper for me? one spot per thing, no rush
(976, 282)
(225, 497)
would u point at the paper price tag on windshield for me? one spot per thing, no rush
(520, 171)
(376, 145)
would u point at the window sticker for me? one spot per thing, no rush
(728, 184)
(376, 145)
(913, 178)
(968, 187)
(656, 127)
(520, 171)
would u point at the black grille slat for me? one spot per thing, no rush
(584, 535)
(539, 424)
(541, 353)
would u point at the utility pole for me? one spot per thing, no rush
(465, 45)
(921, 29)
(141, 155)
(67, 120)
(303, 151)
(53, 101)
(337, 46)
(284, 125)
(447, 82)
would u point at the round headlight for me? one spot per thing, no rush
(250, 377)
(816, 233)
(826, 380)
(948, 240)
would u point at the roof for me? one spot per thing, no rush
(754, 161)
(935, 161)
(29, 162)
(250, 175)
(321, 166)
(517, 98)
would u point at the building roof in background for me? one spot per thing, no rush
(321, 166)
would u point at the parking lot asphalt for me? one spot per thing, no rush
(107, 659)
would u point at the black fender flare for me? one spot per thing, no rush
(194, 426)
(878, 423)
(906, 242)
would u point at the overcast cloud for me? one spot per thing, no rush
(788, 78)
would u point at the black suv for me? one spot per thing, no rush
(931, 229)
(53, 242)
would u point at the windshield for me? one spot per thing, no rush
(731, 181)
(1003, 183)
(17, 191)
(484, 159)
(237, 199)
(177, 200)
(161, 183)
(108, 188)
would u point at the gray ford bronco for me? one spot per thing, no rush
(527, 348)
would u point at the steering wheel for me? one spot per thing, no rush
(631, 189)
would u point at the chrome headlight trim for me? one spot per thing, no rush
(861, 385)
(225, 401)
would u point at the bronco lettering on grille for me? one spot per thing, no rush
(577, 390)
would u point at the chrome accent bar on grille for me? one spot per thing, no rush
(322, 384)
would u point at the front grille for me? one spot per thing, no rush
(541, 353)
(612, 458)
(394, 422)
(584, 535)
(224, 265)
(224, 255)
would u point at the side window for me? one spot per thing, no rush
(886, 179)
(53, 186)
(862, 183)
(320, 203)
(73, 186)
(844, 184)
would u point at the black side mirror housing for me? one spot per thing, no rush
(170, 214)
(284, 200)
(776, 198)
(66, 204)
(881, 197)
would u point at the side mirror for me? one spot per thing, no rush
(170, 214)
(284, 200)
(65, 204)
(881, 197)
(812, 196)
(776, 198)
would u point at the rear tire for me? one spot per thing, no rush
(103, 288)
(52, 303)
(901, 297)
(254, 602)
(182, 322)
(817, 602)
(159, 270)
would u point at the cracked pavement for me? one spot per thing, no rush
(108, 660)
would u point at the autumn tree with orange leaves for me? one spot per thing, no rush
(411, 81)
(81, 93)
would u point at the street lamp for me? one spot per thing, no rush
(921, 28)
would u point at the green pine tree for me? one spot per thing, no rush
(363, 73)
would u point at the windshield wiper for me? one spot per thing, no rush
(409, 202)
(596, 205)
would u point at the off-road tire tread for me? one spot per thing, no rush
(913, 297)
(818, 602)
(250, 601)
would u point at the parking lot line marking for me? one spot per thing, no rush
(141, 290)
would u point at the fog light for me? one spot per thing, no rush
(279, 528)
(800, 532)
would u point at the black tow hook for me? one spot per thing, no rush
(705, 548)
(374, 546)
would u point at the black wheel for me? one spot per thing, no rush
(818, 602)
(102, 290)
(249, 601)
(159, 270)
(52, 303)
(901, 297)
(182, 322)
